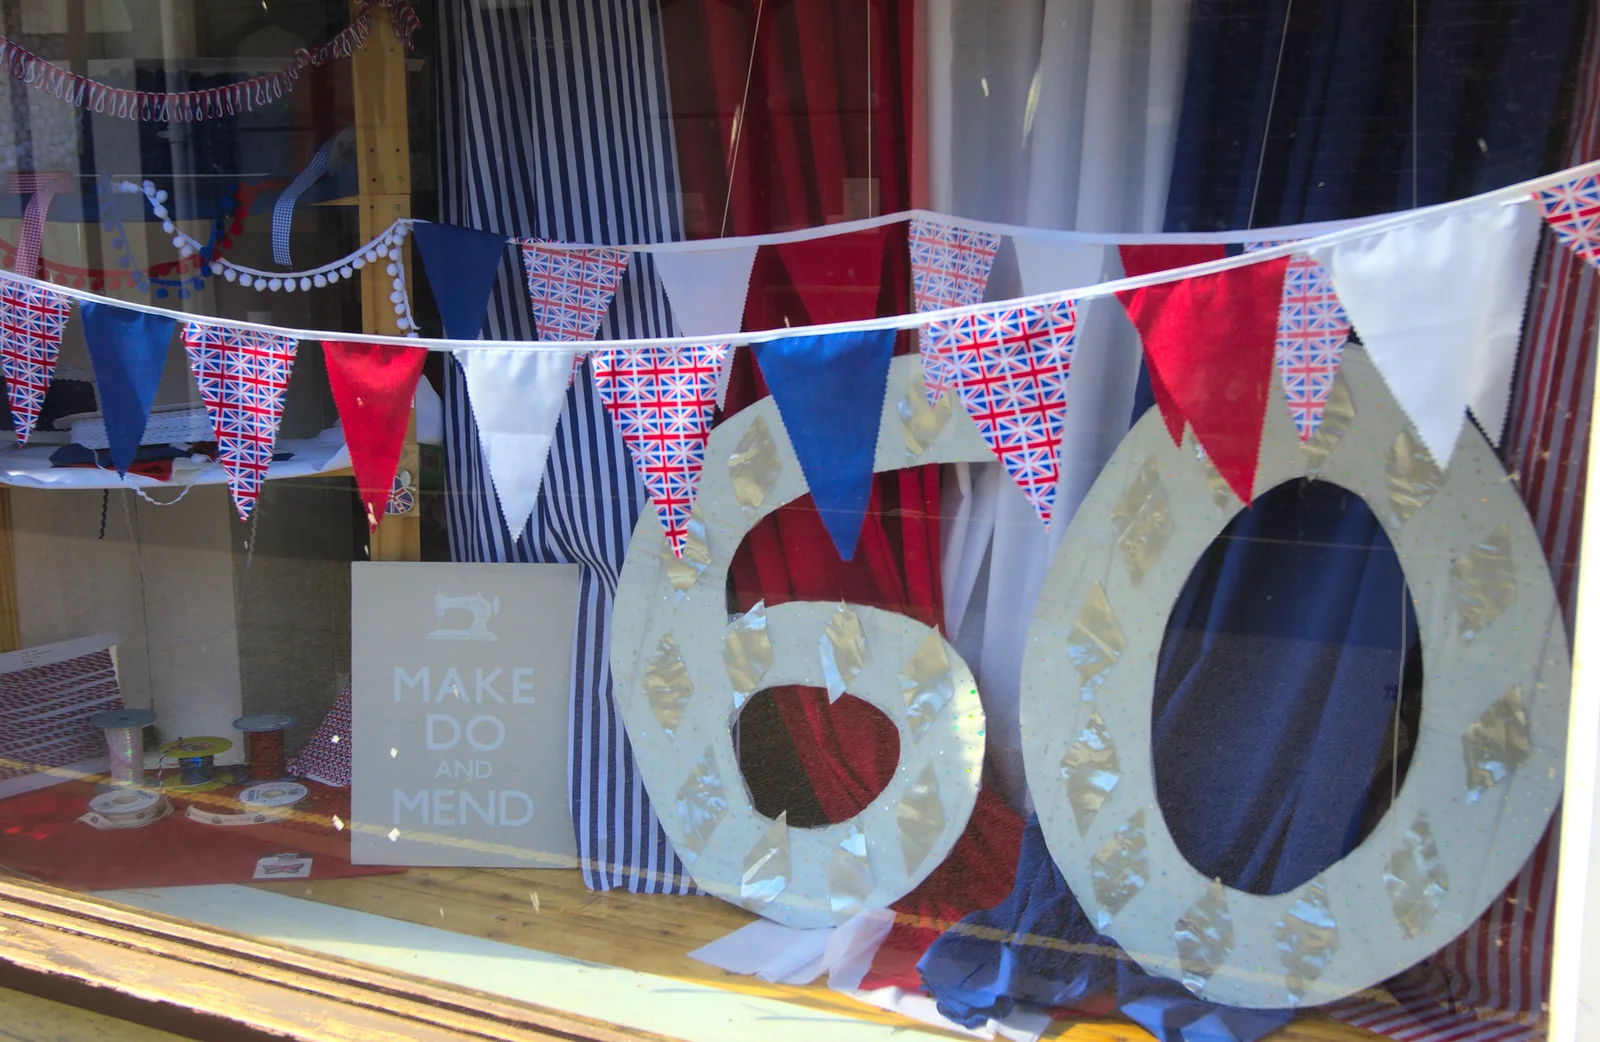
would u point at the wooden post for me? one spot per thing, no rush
(383, 149)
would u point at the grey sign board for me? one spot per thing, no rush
(460, 687)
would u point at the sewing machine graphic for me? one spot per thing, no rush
(481, 607)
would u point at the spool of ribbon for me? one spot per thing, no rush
(126, 809)
(196, 760)
(264, 742)
(124, 730)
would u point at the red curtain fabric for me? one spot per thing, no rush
(778, 127)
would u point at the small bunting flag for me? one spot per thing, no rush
(243, 375)
(838, 278)
(128, 350)
(1312, 331)
(373, 386)
(950, 268)
(1573, 211)
(570, 290)
(1142, 260)
(1210, 340)
(1010, 366)
(661, 400)
(31, 321)
(830, 391)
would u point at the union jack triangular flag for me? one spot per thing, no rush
(242, 375)
(1010, 366)
(949, 268)
(31, 321)
(1573, 210)
(1312, 331)
(570, 290)
(661, 399)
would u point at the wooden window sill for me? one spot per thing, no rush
(203, 983)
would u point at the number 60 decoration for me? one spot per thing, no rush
(1485, 775)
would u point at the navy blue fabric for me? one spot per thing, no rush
(461, 264)
(975, 977)
(1339, 141)
(128, 350)
(1278, 678)
(829, 391)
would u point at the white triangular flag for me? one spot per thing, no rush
(1438, 305)
(1048, 263)
(517, 398)
(707, 290)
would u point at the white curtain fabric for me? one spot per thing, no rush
(1053, 114)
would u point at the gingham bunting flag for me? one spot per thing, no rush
(949, 268)
(1312, 332)
(661, 399)
(1573, 210)
(243, 375)
(1010, 367)
(31, 321)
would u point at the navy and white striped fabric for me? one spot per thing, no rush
(554, 121)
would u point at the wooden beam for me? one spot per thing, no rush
(383, 151)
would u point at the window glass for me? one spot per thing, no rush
(857, 580)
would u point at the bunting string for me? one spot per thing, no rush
(197, 105)
(1292, 240)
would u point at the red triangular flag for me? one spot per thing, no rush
(1210, 340)
(838, 278)
(373, 385)
(1142, 260)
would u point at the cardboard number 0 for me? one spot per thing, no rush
(671, 653)
(1486, 769)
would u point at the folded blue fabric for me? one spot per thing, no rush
(1052, 956)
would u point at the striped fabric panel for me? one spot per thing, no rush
(1491, 984)
(554, 120)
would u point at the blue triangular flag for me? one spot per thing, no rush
(829, 391)
(461, 264)
(129, 350)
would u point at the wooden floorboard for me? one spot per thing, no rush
(551, 911)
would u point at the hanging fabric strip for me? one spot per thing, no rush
(196, 105)
(31, 321)
(43, 188)
(243, 377)
(283, 209)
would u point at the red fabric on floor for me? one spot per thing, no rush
(42, 838)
